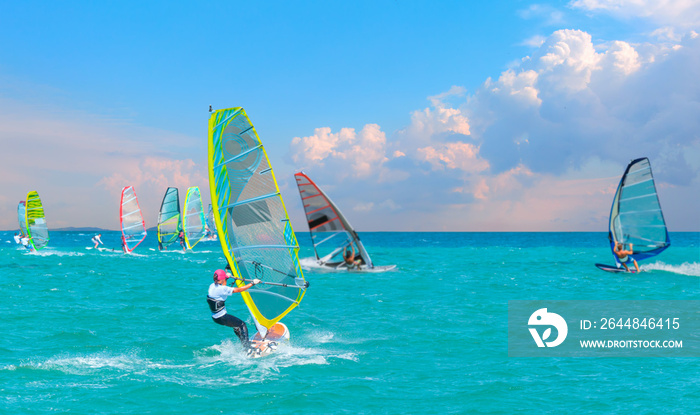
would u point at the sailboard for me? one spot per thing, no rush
(331, 233)
(169, 218)
(193, 219)
(37, 230)
(132, 224)
(22, 216)
(251, 220)
(636, 217)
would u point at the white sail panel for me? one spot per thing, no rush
(132, 225)
(22, 216)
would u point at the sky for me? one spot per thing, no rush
(411, 116)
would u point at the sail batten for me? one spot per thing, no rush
(250, 218)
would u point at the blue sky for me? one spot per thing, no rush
(411, 115)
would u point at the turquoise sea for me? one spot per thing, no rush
(91, 332)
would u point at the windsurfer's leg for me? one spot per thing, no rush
(238, 325)
(636, 265)
(625, 265)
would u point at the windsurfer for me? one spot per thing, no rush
(25, 242)
(96, 240)
(216, 297)
(18, 238)
(182, 241)
(623, 256)
(349, 257)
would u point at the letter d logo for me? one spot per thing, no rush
(542, 318)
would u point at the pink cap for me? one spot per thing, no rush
(220, 274)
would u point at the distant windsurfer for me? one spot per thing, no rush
(349, 257)
(216, 297)
(623, 256)
(25, 242)
(182, 241)
(96, 240)
(18, 238)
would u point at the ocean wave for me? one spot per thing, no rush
(686, 268)
(45, 252)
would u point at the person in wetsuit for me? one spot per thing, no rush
(216, 298)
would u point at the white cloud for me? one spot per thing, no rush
(353, 154)
(550, 15)
(681, 13)
(542, 146)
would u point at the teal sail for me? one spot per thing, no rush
(636, 217)
(169, 218)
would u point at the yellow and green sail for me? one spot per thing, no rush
(193, 219)
(251, 219)
(37, 229)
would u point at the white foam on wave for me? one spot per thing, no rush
(322, 337)
(686, 268)
(84, 364)
(45, 252)
(286, 355)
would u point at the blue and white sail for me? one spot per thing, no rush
(636, 217)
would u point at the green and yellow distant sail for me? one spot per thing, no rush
(251, 220)
(193, 219)
(37, 229)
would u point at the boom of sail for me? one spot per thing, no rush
(37, 230)
(252, 223)
(193, 219)
(636, 217)
(131, 219)
(169, 217)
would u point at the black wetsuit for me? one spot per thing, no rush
(217, 303)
